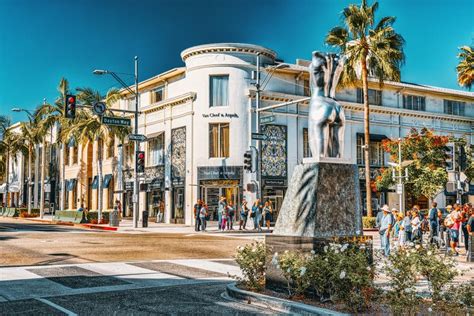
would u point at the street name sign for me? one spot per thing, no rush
(399, 188)
(117, 121)
(137, 137)
(267, 119)
(259, 136)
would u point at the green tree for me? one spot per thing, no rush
(378, 50)
(427, 174)
(89, 129)
(465, 68)
(30, 134)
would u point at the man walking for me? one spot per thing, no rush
(433, 218)
(197, 209)
(386, 224)
(202, 216)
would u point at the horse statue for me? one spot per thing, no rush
(326, 115)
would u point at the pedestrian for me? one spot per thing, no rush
(470, 227)
(257, 214)
(267, 211)
(433, 219)
(385, 228)
(453, 222)
(220, 209)
(197, 217)
(407, 226)
(396, 226)
(378, 218)
(244, 212)
(119, 208)
(224, 218)
(161, 211)
(464, 218)
(402, 236)
(416, 226)
(230, 216)
(203, 216)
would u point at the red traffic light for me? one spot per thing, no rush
(141, 155)
(71, 99)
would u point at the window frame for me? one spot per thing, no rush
(458, 108)
(420, 101)
(153, 94)
(211, 94)
(377, 95)
(220, 151)
(360, 157)
(150, 160)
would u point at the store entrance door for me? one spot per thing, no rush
(211, 191)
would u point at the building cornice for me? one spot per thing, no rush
(227, 48)
(180, 99)
(281, 97)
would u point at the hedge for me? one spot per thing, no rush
(92, 216)
(368, 222)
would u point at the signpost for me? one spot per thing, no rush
(117, 121)
(99, 108)
(267, 119)
(259, 136)
(137, 137)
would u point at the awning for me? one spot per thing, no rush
(71, 184)
(95, 183)
(106, 181)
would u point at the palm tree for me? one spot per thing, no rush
(365, 47)
(89, 129)
(465, 67)
(48, 115)
(30, 134)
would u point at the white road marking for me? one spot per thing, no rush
(60, 308)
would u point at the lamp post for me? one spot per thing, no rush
(400, 165)
(30, 185)
(136, 205)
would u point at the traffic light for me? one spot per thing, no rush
(70, 107)
(251, 160)
(449, 157)
(248, 161)
(140, 161)
(462, 158)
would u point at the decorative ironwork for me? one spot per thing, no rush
(274, 151)
(178, 154)
(155, 172)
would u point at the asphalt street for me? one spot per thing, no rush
(64, 270)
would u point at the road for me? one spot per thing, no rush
(63, 270)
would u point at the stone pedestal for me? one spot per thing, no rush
(322, 200)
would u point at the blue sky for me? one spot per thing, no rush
(43, 41)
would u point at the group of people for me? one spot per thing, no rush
(410, 227)
(260, 214)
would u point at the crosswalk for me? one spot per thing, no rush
(37, 282)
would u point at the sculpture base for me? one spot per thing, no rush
(275, 243)
(322, 200)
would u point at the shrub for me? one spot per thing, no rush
(251, 260)
(92, 217)
(294, 266)
(24, 214)
(368, 222)
(461, 295)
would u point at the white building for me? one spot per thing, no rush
(198, 120)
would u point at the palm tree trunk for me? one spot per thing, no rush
(30, 185)
(63, 180)
(365, 86)
(43, 171)
(7, 174)
(99, 184)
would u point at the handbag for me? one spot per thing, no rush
(448, 222)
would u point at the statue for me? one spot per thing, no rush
(326, 115)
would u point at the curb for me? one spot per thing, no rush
(277, 304)
(88, 226)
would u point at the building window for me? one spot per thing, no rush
(414, 102)
(219, 140)
(131, 104)
(219, 86)
(376, 152)
(156, 151)
(75, 155)
(306, 149)
(375, 96)
(129, 153)
(454, 107)
(67, 149)
(110, 148)
(158, 94)
(306, 88)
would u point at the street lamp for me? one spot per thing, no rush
(135, 93)
(400, 165)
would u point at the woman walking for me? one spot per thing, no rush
(257, 215)
(224, 214)
(244, 212)
(267, 211)
(230, 216)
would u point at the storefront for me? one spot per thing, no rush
(154, 197)
(215, 182)
(274, 191)
(178, 174)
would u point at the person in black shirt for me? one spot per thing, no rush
(197, 209)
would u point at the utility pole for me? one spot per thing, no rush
(257, 121)
(136, 193)
(400, 186)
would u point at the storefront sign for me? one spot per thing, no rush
(275, 182)
(221, 115)
(209, 173)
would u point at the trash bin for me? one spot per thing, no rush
(114, 218)
(145, 219)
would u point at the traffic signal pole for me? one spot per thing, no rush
(136, 205)
(257, 119)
